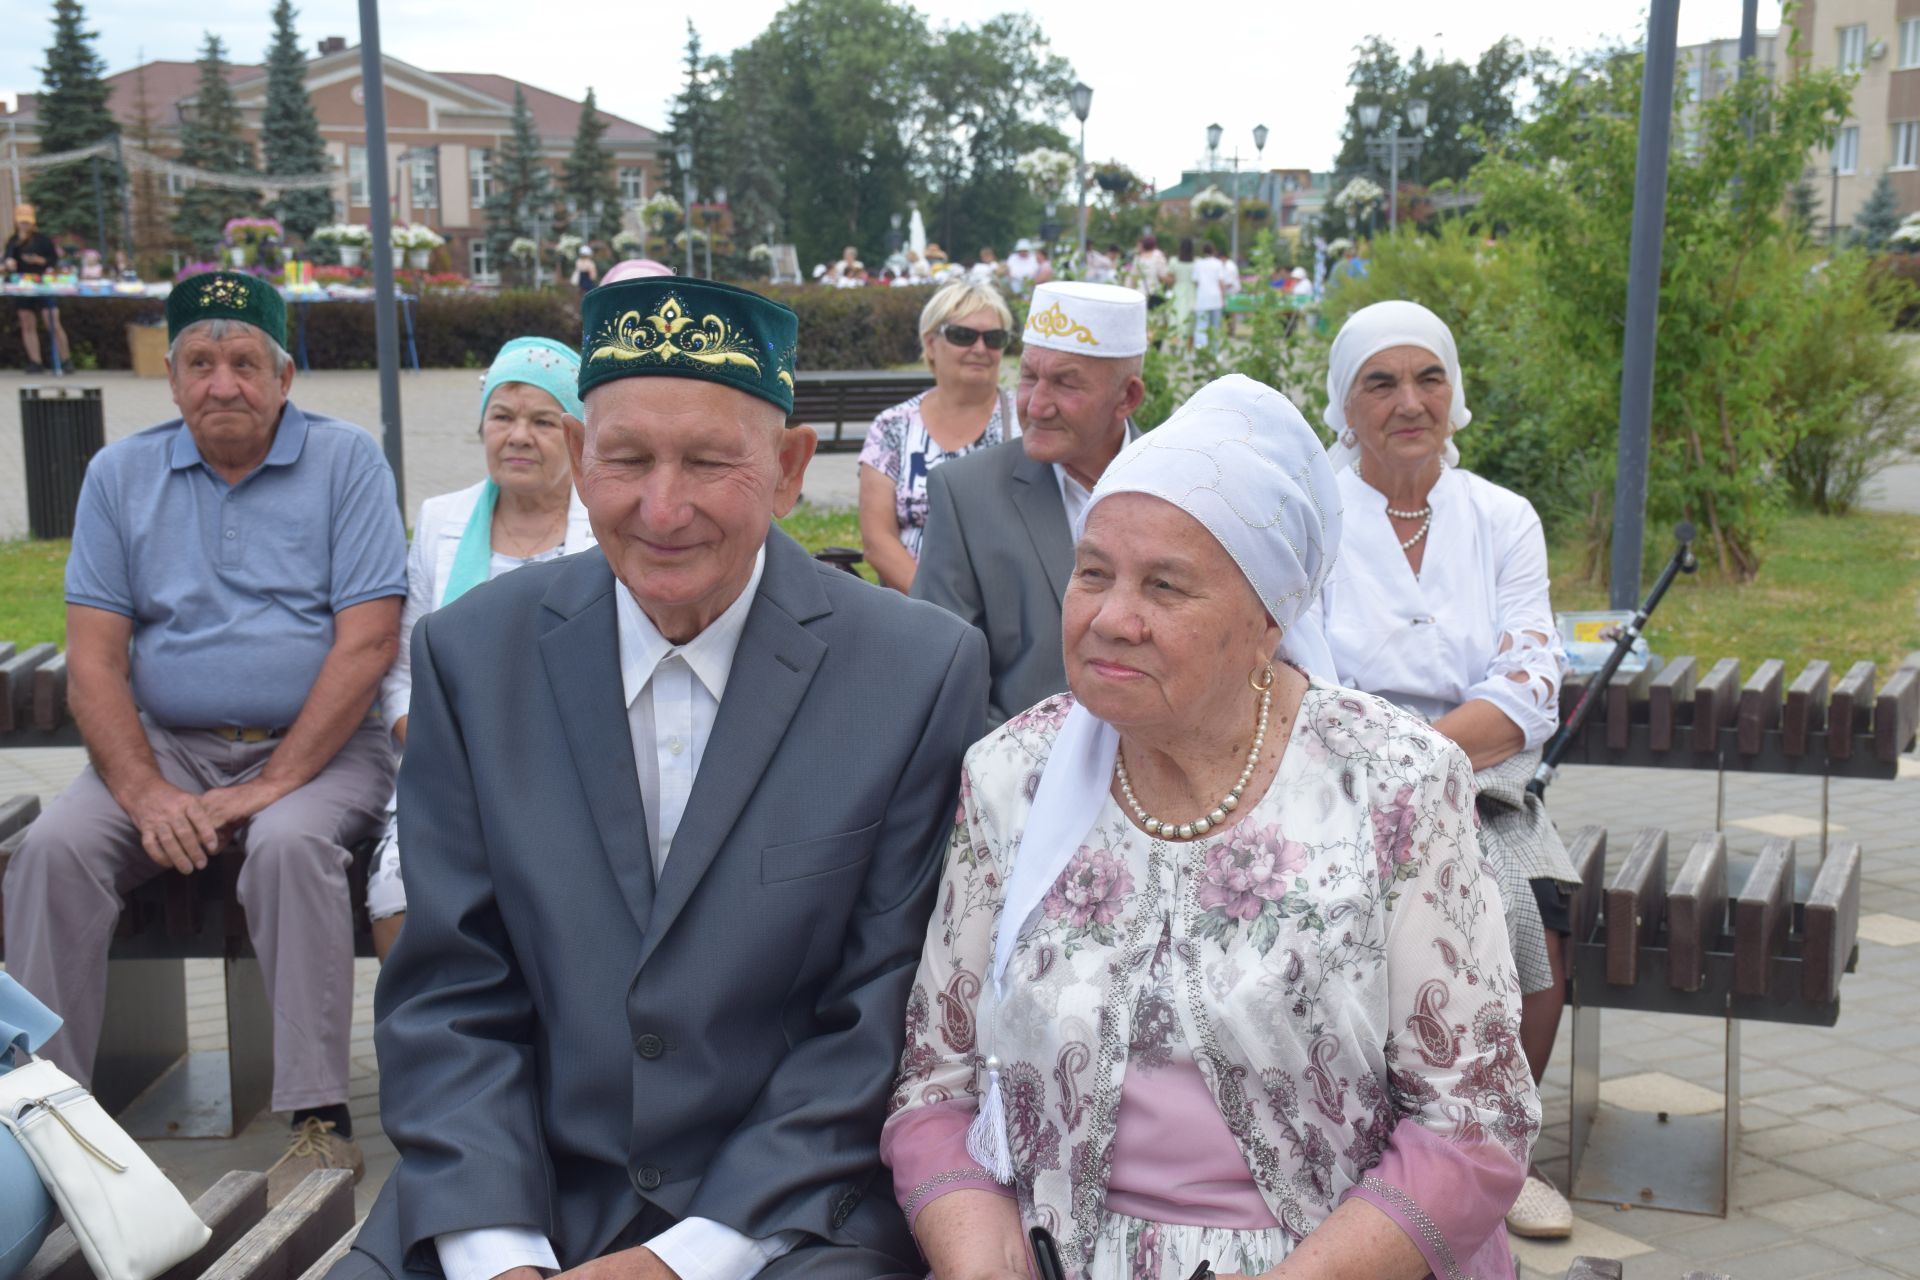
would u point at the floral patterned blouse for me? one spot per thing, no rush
(900, 447)
(1341, 971)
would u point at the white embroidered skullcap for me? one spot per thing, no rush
(1102, 320)
(1367, 333)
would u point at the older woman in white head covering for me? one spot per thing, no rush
(1213, 979)
(1439, 605)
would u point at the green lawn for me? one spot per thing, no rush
(1839, 588)
(1843, 588)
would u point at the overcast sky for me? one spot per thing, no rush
(1157, 84)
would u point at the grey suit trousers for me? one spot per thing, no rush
(66, 884)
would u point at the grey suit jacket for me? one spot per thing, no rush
(568, 1046)
(997, 553)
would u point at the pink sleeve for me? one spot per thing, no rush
(926, 1148)
(1450, 1198)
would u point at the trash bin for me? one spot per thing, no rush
(61, 428)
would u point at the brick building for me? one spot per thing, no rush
(443, 128)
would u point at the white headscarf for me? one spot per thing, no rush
(1240, 459)
(1367, 333)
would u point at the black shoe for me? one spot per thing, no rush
(33, 368)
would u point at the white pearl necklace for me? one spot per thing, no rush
(1424, 515)
(1218, 815)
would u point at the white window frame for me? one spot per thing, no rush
(1846, 150)
(423, 179)
(357, 194)
(479, 176)
(1906, 145)
(1853, 47)
(633, 184)
(177, 184)
(480, 262)
(1909, 44)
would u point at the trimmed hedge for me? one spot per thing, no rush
(839, 328)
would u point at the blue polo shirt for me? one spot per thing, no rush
(232, 588)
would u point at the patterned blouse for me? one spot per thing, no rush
(900, 448)
(1338, 965)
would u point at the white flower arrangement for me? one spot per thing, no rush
(699, 237)
(627, 244)
(1046, 171)
(1339, 246)
(1212, 203)
(417, 235)
(522, 249)
(760, 253)
(567, 247)
(657, 208)
(344, 233)
(1358, 195)
(1907, 235)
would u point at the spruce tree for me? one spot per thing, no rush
(587, 178)
(1878, 218)
(290, 131)
(210, 139)
(694, 119)
(74, 114)
(522, 184)
(1802, 205)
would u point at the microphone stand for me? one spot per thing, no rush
(1683, 562)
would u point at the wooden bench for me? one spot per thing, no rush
(1705, 932)
(33, 698)
(851, 395)
(298, 1239)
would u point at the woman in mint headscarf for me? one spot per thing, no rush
(524, 511)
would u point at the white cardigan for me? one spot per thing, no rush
(436, 539)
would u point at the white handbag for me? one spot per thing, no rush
(129, 1220)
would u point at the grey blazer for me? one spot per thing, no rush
(568, 1046)
(997, 553)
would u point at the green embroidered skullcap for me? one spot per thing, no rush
(227, 295)
(677, 327)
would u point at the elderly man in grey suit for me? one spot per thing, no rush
(998, 547)
(674, 813)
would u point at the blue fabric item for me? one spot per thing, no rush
(473, 558)
(232, 588)
(26, 1210)
(554, 367)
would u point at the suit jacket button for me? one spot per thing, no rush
(646, 1178)
(650, 1045)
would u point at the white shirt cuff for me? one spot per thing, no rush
(487, 1252)
(702, 1249)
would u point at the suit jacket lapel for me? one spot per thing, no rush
(581, 651)
(772, 668)
(1036, 495)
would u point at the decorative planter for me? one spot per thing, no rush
(1114, 182)
(349, 255)
(1213, 213)
(419, 259)
(1258, 212)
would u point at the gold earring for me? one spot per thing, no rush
(1256, 679)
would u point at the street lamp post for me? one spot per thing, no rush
(1392, 146)
(684, 155)
(1260, 162)
(1081, 99)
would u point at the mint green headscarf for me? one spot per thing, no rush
(551, 366)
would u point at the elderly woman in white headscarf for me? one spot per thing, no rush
(1215, 978)
(1439, 605)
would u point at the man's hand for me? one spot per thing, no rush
(228, 808)
(174, 826)
(628, 1264)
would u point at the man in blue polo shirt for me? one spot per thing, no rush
(233, 599)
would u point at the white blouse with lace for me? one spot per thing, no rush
(1474, 623)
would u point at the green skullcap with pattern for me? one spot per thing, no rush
(676, 327)
(227, 295)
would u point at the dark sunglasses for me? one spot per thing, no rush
(961, 336)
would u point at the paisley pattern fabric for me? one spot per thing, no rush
(1339, 968)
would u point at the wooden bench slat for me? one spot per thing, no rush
(1848, 712)
(1760, 704)
(1806, 711)
(1716, 698)
(1623, 691)
(230, 1208)
(1667, 699)
(1896, 714)
(16, 684)
(1762, 917)
(1636, 905)
(50, 695)
(17, 814)
(1696, 912)
(294, 1233)
(1831, 923)
(1588, 849)
(325, 1262)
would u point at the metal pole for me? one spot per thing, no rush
(1083, 194)
(1643, 303)
(13, 160)
(1234, 235)
(99, 207)
(1833, 210)
(1393, 182)
(708, 247)
(386, 327)
(126, 198)
(686, 191)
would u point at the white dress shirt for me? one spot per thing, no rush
(673, 696)
(1074, 495)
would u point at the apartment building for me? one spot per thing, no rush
(1879, 42)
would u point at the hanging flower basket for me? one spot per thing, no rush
(1115, 179)
(1212, 204)
(1257, 212)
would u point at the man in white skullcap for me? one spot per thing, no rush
(998, 547)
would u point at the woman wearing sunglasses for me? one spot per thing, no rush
(964, 330)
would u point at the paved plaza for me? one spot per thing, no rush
(1828, 1179)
